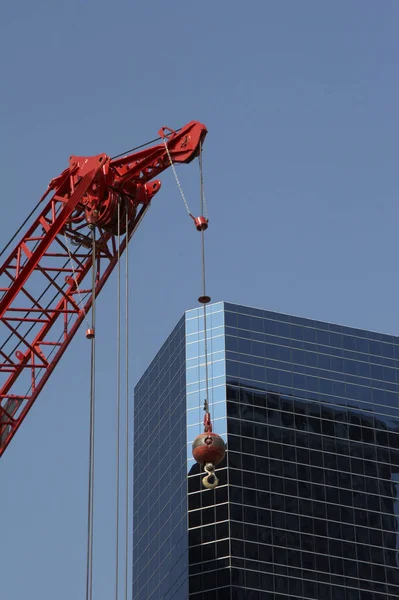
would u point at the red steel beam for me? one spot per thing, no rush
(45, 285)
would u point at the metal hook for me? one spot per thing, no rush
(210, 480)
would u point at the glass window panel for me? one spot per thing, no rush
(309, 447)
(217, 369)
(230, 319)
(218, 393)
(194, 416)
(193, 375)
(192, 326)
(243, 322)
(216, 344)
(218, 409)
(232, 368)
(216, 319)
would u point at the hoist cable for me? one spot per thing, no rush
(177, 178)
(90, 507)
(118, 400)
(136, 148)
(75, 277)
(202, 205)
(204, 208)
(127, 426)
(141, 146)
(205, 323)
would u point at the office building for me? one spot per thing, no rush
(308, 504)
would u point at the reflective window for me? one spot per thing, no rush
(312, 458)
(160, 548)
(308, 501)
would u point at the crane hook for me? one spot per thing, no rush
(210, 480)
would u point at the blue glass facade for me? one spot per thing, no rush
(169, 413)
(160, 559)
(308, 503)
(208, 513)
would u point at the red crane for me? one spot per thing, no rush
(45, 282)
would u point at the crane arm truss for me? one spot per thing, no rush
(45, 284)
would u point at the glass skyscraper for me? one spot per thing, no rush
(308, 505)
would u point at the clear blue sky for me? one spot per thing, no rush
(301, 102)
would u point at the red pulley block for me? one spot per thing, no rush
(201, 223)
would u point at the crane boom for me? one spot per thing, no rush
(45, 290)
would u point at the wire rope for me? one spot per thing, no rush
(136, 148)
(127, 426)
(141, 146)
(172, 166)
(90, 507)
(204, 299)
(74, 274)
(202, 206)
(118, 402)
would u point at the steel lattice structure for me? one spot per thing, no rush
(45, 282)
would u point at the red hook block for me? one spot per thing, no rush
(201, 223)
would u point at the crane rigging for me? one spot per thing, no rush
(208, 448)
(51, 278)
(45, 287)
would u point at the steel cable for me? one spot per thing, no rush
(127, 426)
(90, 508)
(141, 146)
(118, 403)
(202, 205)
(172, 166)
